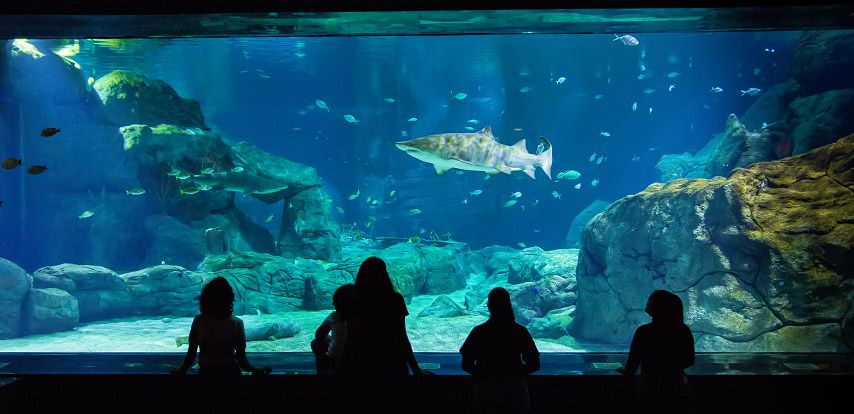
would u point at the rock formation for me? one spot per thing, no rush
(442, 307)
(100, 292)
(132, 98)
(762, 259)
(15, 283)
(49, 310)
(573, 236)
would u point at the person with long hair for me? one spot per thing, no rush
(377, 352)
(218, 334)
(500, 353)
(662, 349)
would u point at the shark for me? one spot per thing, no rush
(239, 182)
(478, 151)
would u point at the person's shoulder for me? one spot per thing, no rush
(237, 321)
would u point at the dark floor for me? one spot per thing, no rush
(131, 383)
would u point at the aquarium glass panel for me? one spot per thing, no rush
(581, 172)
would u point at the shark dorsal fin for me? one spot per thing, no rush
(487, 130)
(521, 145)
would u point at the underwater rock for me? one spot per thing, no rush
(496, 259)
(807, 339)
(49, 310)
(173, 242)
(535, 264)
(739, 148)
(404, 264)
(820, 119)
(536, 299)
(265, 331)
(442, 307)
(848, 329)
(573, 236)
(308, 229)
(548, 326)
(99, 291)
(132, 98)
(297, 177)
(823, 60)
(166, 290)
(771, 106)
(685, 165)
(15, 283)
(767, 249)
(443, 269)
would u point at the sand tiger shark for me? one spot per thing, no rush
(477, 151)
(239, 182)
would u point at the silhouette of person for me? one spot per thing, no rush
(219, 335)
(662, 349)
(327, 348)
(377, 353)
(500, 353)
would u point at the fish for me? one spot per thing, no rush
(605, 133)
(477, 151)
(568, 175)
(340, 210)
(237, 182)
(648, 91)
(510, 203)
(90, 81)
(413, 240)
(635, 106)
(49, 132)
(389, 100)
(460, 96)
(650, 109)
(628, 40)
(671, 88)
(716, 89)
(206, 171)
(375, 202)
(37, 169)
(414, 211)
(264, 76)
(643, 76)
(322, 105)
(598, 96)
(269, 218)
(771, 50)
(473, 121)
(636, 158)
(595, 182)
(522, 245)
(556, 194)
(299, 54)
(351, 119)
(183, 175)
(174, 172)
(756, 71)
(465, 201)
(599, 160)
(673, 75)
(468, 128)
(476, 193)
(193, 189)
(11, 163)
(525, 89)
(354, 195)
(368, 201)
(404, 134)
(413, 119)
(135, 191)
(751, 92)
(237, 170)
(516, 194)
(577, 186)
(540, 148)
(391, 193)
(592, 157)
(86, 214)
(560, 80)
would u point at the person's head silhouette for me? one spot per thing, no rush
(217, 299)
(664, 307)
(373, 277)
(498, 303)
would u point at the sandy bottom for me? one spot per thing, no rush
(148, 334)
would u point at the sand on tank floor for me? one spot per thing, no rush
(148, 334)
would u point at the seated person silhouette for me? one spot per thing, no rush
(500, 353)
(218, 334)
(327, 348)
(662, 349)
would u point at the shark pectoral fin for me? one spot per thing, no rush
(440, 170)
(530, 172)
(504, 168)
(521, 145)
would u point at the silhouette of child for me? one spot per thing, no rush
(218, 334)
(500, 353)
(662, 349)
(328, 349)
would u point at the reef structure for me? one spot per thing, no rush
(763, 260)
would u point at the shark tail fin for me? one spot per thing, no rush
(616, 37)
(546, 158)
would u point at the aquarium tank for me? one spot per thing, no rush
(580, 170)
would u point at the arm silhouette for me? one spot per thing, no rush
(190, 358)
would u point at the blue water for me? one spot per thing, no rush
(253, 89)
